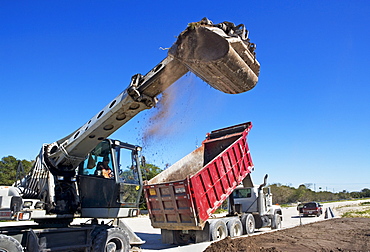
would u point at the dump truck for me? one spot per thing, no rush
(182, 199)
(88, 175)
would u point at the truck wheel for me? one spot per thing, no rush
(276, 221)
(9, 244)
(248, 223)
(235, 227)
(218, 230)
(111, 240)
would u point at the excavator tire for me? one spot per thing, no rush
(9, 244)
(111, 240)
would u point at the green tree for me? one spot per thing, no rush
(355, 195)
(148, 172)
(8, 169)
(282, 194)
(365, 192)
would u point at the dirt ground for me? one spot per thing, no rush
(339, 234)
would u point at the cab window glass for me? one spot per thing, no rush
(242, 193)
(127, 167)
(96, 159)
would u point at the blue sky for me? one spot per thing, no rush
(62, 61)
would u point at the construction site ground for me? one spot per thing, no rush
(298, 234)
(339, 234)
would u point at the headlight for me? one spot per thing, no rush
(27, 204)
(39, 205)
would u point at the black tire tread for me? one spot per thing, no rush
(104, 236)
(10, 244)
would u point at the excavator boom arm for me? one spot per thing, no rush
(220, 54)
(141, 94)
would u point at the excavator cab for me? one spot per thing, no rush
(110, 181)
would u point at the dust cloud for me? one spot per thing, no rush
(168, 119)
(182, 106)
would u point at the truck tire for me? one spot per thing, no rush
(249, 224)
(218, 230)
(276, 221)
(235, 227)
(111, 240)
(9, 244)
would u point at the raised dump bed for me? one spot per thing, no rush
(187, 193)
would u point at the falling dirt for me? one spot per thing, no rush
(342, 234)
(160, 117)
(170, 117)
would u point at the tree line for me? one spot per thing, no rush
(281, 194)
(8, 169)
(286, 194)
(10, 166)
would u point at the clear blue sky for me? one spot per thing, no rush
(62, 61)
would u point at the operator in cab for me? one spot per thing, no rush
(103, 169)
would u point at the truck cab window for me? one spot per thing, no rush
(242, 193)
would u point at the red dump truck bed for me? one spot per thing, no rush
(186, 194)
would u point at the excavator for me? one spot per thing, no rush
(67, 180)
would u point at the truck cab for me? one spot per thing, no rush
(257, 201)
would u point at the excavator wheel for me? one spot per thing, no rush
(9, 244)
(111, 240)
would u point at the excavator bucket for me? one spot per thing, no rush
(219, 54)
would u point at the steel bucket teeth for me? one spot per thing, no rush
(223, 61)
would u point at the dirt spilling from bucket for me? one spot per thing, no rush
(158, 122)
(163, 125)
